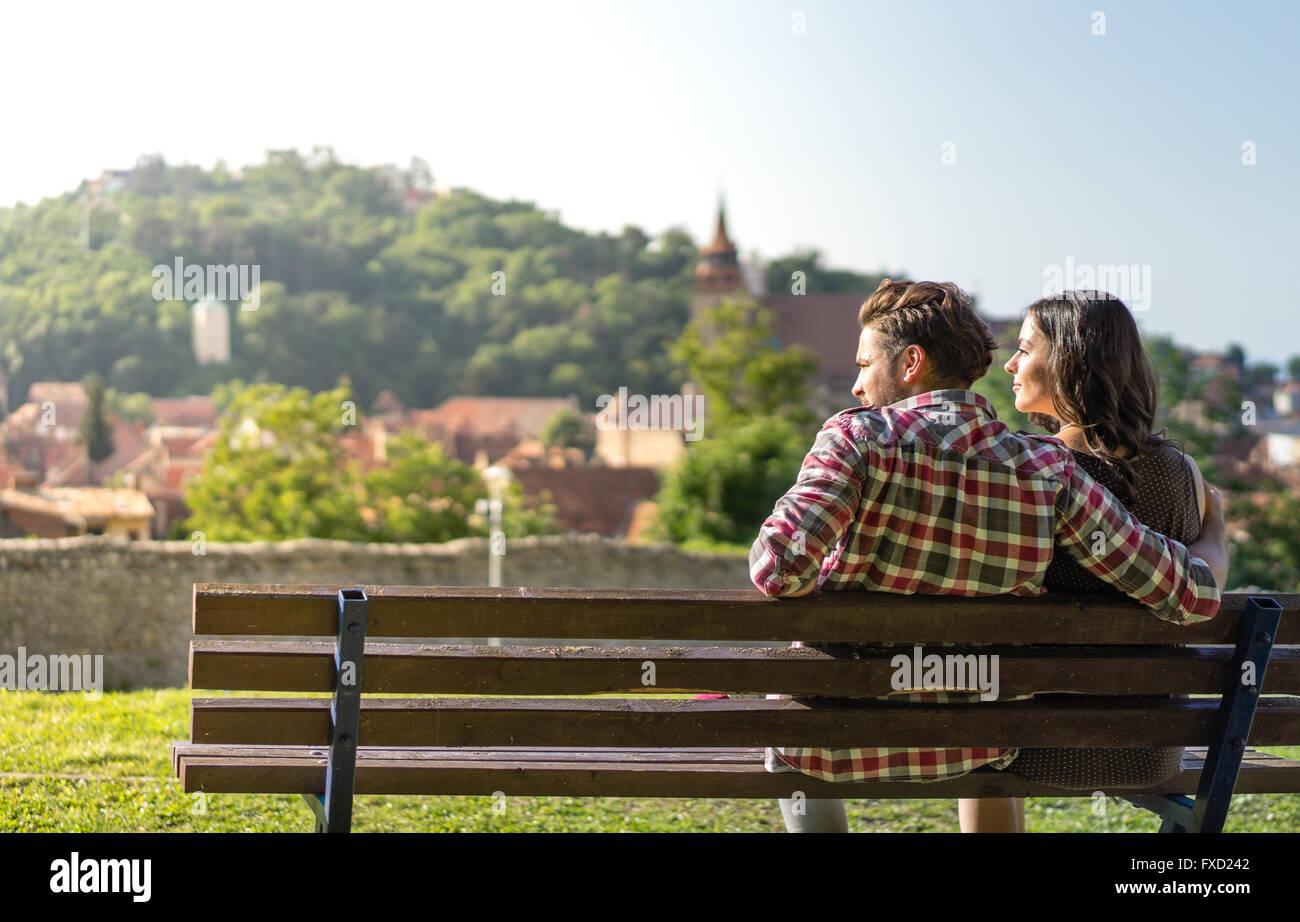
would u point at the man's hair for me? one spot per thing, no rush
(940, 318)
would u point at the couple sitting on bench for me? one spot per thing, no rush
(924, 490)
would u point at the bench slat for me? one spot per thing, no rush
(714, 615)
(1045, 721)
(308, 666)
(573, 772)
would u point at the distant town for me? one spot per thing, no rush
(50, 488)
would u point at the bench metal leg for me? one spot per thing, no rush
(1231, 728)
(334, 810)
(316, 804)
(1175, 809)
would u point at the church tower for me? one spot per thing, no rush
(717, 273)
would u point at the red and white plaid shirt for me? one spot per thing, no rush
(934, 494)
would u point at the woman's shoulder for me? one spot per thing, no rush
(1167, 457)
(1172, 469)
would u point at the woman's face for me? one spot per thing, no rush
(1030, 375)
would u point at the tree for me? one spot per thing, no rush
(733, 356)
(1293, 368)
(779, 276)
(1266, 553)
(96, 431)
(277, 470)
(1263, 375)
(422, 495)
(568, 428)
(1235, 355)
(759, 427)
(727, 484)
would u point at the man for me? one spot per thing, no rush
(890, 491)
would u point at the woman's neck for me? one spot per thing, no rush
(1073, 437)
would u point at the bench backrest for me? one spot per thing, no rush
(1104, 649)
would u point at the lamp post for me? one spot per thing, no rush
(496, 478)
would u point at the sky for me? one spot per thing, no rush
(1005, 146)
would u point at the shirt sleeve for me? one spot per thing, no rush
(811, 519)
(1106, 539)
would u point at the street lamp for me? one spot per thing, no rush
(496, 478)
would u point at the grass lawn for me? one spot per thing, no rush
(72, 765)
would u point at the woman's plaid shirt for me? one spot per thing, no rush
(934, 494)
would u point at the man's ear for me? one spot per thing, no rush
(913, 358)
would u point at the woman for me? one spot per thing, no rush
(1081, 372)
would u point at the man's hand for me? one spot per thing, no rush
(811, 585)
(1212, 545)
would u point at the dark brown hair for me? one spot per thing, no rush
(1100, 378)
(940, 318)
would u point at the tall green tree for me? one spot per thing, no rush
(96, 430)
(758, 427)
(731, 354)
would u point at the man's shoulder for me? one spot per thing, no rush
(873, 422)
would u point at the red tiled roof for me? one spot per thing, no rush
(195, 410)
(67, 393)
(521, 417)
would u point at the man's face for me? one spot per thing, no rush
(880, 381)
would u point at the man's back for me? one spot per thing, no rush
(934, 494)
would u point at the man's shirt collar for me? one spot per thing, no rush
(945, 399)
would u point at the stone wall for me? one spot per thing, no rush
(131, 601)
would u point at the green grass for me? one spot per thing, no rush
(72, 765)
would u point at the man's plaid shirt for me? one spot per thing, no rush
(934, 494)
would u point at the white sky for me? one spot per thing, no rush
(1123, 148)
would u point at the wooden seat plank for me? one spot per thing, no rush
(1047, 720)
(629, 773)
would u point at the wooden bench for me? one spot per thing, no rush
(1104, 649)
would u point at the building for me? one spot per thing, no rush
(211, 333)
(58, 512)
(631, 447)
(41, 435)
(588, 498)
(1286, 399)
(474, 429)
(826, 323)
(1282, 446)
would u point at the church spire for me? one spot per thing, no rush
(718, 268)
(721, 243)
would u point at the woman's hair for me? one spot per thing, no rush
(1100, 378)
